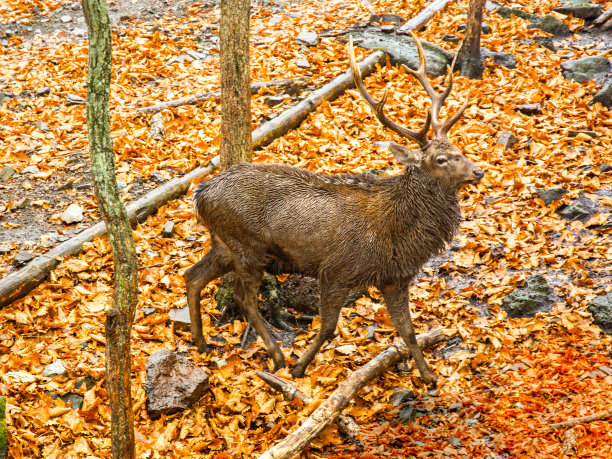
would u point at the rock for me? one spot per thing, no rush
(75, 400)
(33, 169)
(23, 203)
(604, 96)
(585, 68)
(86, 381)
(302, 63)
(529, 109)
(486, 28)
(601, 310)
(451, 39)
(55, 369)
(387, 28)
(551, 195)
(43, 91)
(307, 38)
(42, 125)
(582, 209)
(507, 139)
(168, 229)
(574, 133)
(6, 173)
(72, 214)
(66, 18)
(273, 101)
(605, 167)
(400, 397)
(147, 312)
(527, 300)
(22, 258)
(550, 24)
(157, 130)
(492, 6)
(402, 50)
(384, 18)
(180, 317)
(504, 59)
(579, 9)
(454, 441)
(73, 99)
(157, 177)
(172, 384)
(506, 12)
(5, 250)
(546, 42)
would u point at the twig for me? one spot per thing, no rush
(583, 419)
(420, 19)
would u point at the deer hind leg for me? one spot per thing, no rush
(247, 286)
(214, 264)
(329, 310)
(398, 306)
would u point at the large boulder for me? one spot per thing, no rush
(549, 23)
(585, 68)
(173, 383)
(534, 296)
(601, 309)
(579, 9)
(604, 96)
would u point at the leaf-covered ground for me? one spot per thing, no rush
(502, 382)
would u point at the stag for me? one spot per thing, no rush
(351, 231)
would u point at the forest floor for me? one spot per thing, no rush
(503, 380)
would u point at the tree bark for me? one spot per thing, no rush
(235, 83)
(469, 54)
(119, 319)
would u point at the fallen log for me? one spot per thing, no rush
(201, 97)
(330, 409)
(420, 19)
(17, 284)
(575, 421)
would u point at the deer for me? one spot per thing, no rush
(351, 231)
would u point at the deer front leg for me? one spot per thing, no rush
(398, 306)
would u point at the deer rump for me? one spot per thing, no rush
(352, 230)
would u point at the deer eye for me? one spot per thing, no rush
(441, 160)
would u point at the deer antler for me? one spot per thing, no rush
(440, 129)
(419, 137)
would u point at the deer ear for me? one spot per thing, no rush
(404, 155)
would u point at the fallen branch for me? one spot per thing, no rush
(200, 97)
(329, 410)
(420, 19)
(582, 420)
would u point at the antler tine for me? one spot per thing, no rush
(419, 137)
(448, 124)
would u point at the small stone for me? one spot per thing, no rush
(550, 24)
(504, 59)
(87, 381)
(73, 99)
(604, 96)
(387, 28)
(302, 63)
(149, 311)
(385, 18)
(491, 6)
(168, 229)
(23, 203)
(43, 91)
(486, 28)
(605, 167)
(307, 38)
(573, 133)
(66, 18)
(400, 397)
(551, 195)
(22, 258)
(75, 400)
(157, 177)
(180, 318)
(272, 101)
(582, 209)
(55, 369)
(72, 214)
(454, 441)
(450, 38)
(529, 109)
(6, 173)
(601, 310)
(527, 300)
(33, 169)
(5, 250)
(455, 406)
(42, 125)
(507, 139)
(371, 330)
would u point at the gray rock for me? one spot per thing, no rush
(22, 258)
(387, 28)
(402, 50)
(574, 133)
(601, 310)
(33, 169)
(66, 18)
(6, 173)
(486, 28)
(529, 109)
(43, 91)
(172, 384)
(504, 59)
(604, 96)
(550, 24)
(525, 301)
(579, 9)
(73, 99)
(168, 229)
(302, 63)
(507, 139)
(455, 441)
(307, 38)
(585, 68)
(605, 167)
(400, 397)
(492, 6)
(180, 317)
(451, 39)
(382, 18)
(582, 209)
(75, 400)
(273, 101)
(23, 203)
(546, 42)
(506, 12)
(72, 214)
(42, 125)
(55, 369)
(551, 195)
(148, 311)
(5, 250)
(86, 381)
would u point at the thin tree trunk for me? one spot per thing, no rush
(119, 319)
(469, 54)
(235, 83)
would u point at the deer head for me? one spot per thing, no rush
(438, 156)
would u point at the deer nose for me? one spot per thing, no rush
(479, 173)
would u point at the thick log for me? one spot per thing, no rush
(421, 19)
(201, 97)
(574, 422)
(331, 408)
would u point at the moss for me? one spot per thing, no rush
(3, 430)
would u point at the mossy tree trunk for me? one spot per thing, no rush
(120, 317)
(235, 83)
(469, 54)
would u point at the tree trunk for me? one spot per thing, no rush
(119, 319)
(235, 83)
(469, 54)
